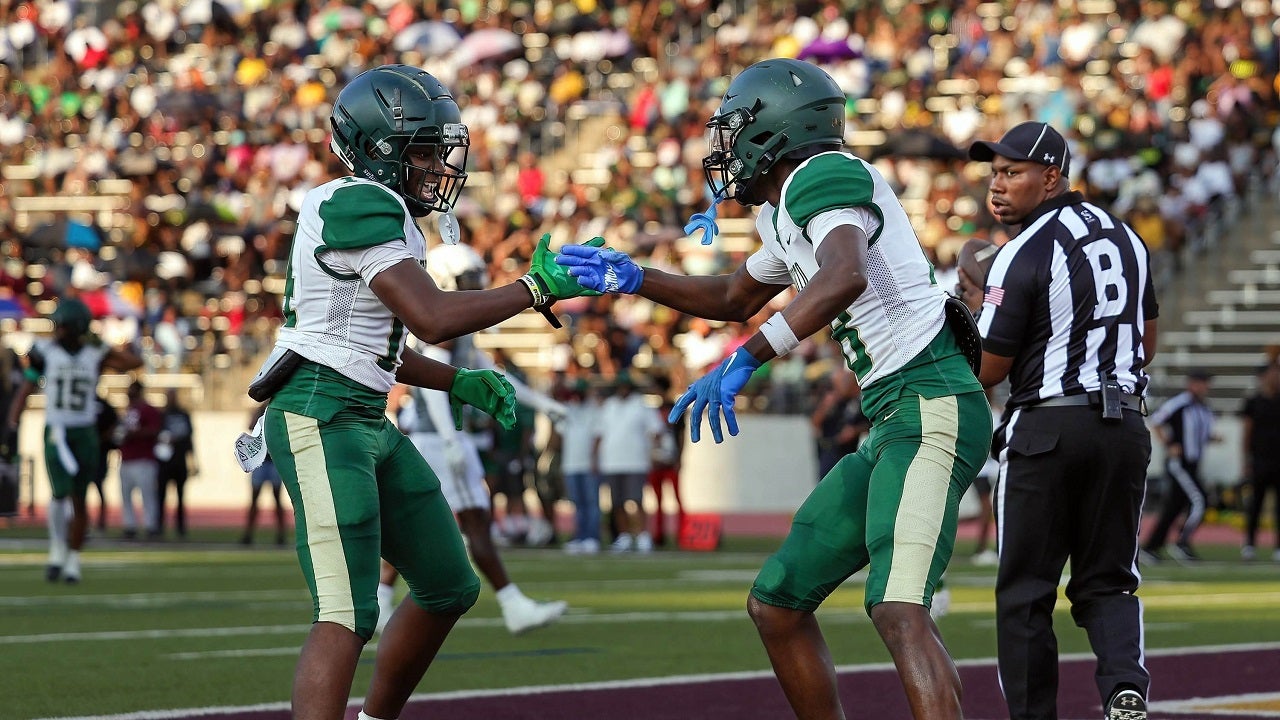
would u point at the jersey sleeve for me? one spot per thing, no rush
(765, 265)
(1011, 296)
(367, 262)
(828, 182)
(361, 215)
(860, 217)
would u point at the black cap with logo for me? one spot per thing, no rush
(1033, 141)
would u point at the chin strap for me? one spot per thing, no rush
(706, 221)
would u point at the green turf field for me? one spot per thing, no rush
(210, 623)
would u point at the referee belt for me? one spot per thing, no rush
(1091, 399)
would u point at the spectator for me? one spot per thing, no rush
(664, 470)
(837, 421)
(176, 454)
(108, 419)
(1261, 445)
(139, 468)
(623, 454)
(262, 476)
(577, 432)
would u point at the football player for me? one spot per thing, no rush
(355, 289)
(831, 226)
(71, 364)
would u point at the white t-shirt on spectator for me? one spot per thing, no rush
(627, 428)
(578, 431)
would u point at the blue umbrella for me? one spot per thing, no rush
(80, 235)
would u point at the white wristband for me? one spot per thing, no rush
(779, 334)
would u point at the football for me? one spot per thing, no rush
(975, 259)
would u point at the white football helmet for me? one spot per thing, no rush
(457, 267)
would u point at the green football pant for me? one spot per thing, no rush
(360, 491)
(82, 443)
(892, 505)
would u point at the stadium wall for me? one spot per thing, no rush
(767, 470)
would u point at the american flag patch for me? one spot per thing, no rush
(995, 295)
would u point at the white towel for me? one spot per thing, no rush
(251, 447)
(58, 434)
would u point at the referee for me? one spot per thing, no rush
(1069, 316)
(1185, 426)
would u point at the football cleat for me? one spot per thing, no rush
(523, 614)
(1126, 705)
(52, 572)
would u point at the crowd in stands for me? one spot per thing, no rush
(208, 120)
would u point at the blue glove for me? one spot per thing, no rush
(601, 269)
(705, 221)
(717, 389)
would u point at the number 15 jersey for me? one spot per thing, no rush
(70, 382)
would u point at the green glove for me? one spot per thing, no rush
(486, 390)
(554, 281)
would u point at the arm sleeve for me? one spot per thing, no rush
(1165, 412)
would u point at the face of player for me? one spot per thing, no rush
(67, 337)
(426, 166)
(1018, 186)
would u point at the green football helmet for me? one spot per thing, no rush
(771, 110)
(398, 126)
(72, 315)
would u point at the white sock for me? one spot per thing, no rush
(508, 594)
(386, 594)
(71, 568)
(57, 512)
(366, 716)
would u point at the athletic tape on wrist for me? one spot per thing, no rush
(538, 298)
(779, 334)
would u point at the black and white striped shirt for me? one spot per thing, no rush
(1190, 424)
(1067, 299)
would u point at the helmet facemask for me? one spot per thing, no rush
(734, 162)
(433, 171)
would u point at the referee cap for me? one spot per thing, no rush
(1033, 141)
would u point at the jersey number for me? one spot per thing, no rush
(1108, 278)
(73, 395)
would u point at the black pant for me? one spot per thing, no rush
(1184, 494)
(1070, 485)
(172, 472)
(1265, 477)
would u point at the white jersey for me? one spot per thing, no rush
(349, 230)
(70, 382)
(902, 309)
